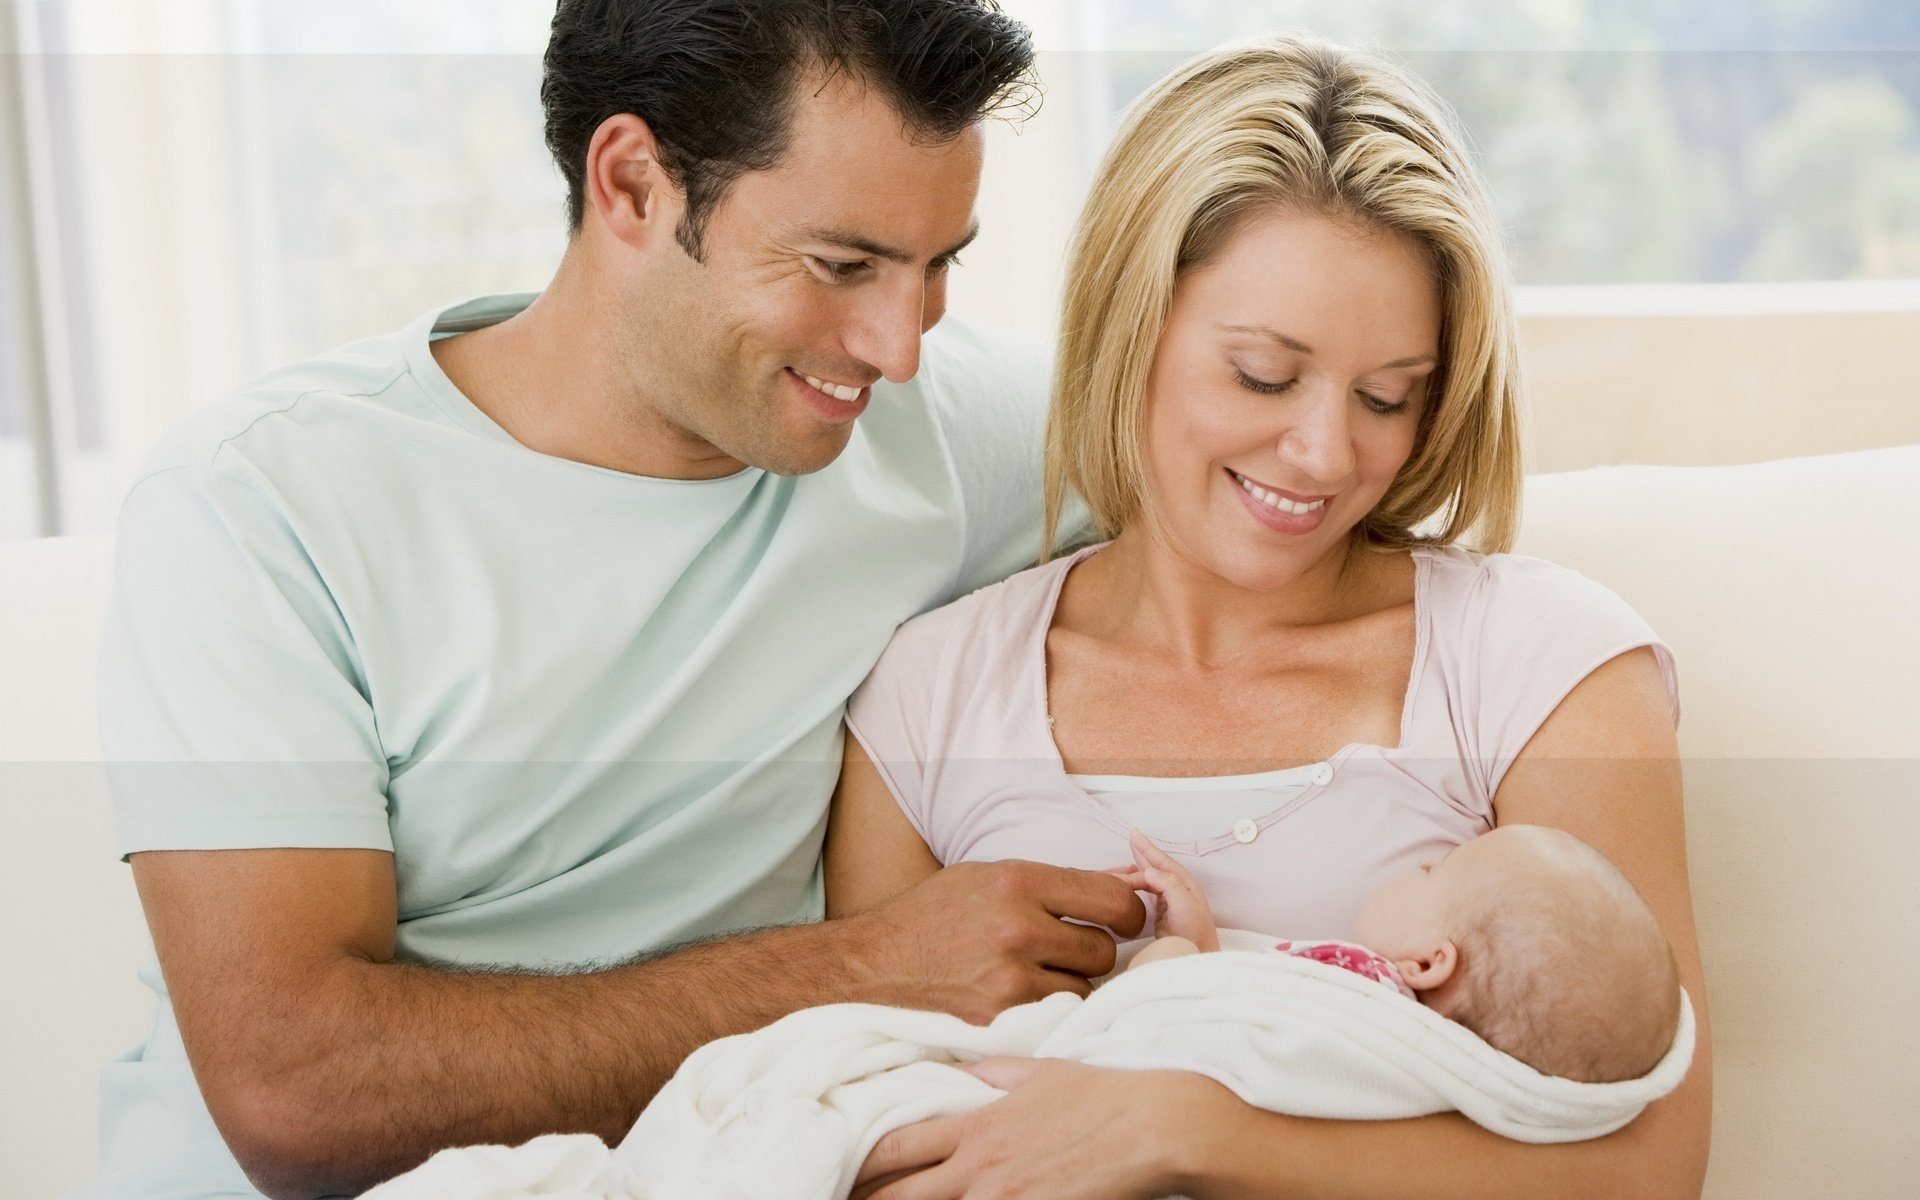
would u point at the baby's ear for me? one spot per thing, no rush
(1432, 969)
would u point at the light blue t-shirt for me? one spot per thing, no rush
(591, 713)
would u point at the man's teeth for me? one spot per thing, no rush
(839, 391)
(1276, 501)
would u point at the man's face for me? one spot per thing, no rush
(819, 277)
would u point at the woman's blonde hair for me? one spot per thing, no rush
(1292, 124)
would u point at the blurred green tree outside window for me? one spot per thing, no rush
(1637, 141)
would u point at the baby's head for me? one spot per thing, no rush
(1532, 939)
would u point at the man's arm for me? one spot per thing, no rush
(329, 1067)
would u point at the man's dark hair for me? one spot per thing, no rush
(715, 78)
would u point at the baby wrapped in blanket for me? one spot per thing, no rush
(1526, 935)
(1520, 980)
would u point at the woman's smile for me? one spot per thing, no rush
(1280, 511)
(1269, 380)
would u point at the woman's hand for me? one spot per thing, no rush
(1063, 1131)
(1182, 909)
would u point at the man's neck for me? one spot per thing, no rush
(553, 376)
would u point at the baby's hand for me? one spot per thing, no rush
(1182, 909)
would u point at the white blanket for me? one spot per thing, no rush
(791, 1111)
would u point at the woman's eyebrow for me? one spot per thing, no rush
(1418, 360)
(1271, 334)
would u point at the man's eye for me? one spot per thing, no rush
(834, 271)
(940, 266)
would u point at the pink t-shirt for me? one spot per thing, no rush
(954, 715)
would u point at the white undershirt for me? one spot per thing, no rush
(1193, 809)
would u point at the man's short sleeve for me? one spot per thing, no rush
(990, 391)
(233, 710)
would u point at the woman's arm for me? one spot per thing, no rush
(873, 852)
(1605, 767)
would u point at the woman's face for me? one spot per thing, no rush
(1285, 393)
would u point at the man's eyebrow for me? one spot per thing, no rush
(867, 246)
(1418, 360)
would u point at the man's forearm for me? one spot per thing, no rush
(381, 1064)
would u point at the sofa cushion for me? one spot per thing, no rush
(1788, 592)
(66, 905)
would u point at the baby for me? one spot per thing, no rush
(1526, 935)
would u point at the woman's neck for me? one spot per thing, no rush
(1145, 591)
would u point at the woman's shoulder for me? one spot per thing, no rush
(991, 619)
(1497, 592)
(1516, 633)
(975, 650)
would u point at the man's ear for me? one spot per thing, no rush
(1432, 969)
(626, 187)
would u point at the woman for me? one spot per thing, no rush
(1286, 391)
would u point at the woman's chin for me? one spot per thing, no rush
(1256, 559)
(1260, 561)
(1262, 568)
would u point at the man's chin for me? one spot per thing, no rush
(802, 455)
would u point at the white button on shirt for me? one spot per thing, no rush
(1200, 808)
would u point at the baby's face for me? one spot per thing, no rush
(1410, 915)
(1407, 915)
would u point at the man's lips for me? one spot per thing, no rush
(826, 405)
(827, 385)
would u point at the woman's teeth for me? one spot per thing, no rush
(1272, 500)
(839, 391)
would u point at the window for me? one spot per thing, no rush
(1633, 142)
(195, 196)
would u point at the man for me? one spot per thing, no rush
(466, 686)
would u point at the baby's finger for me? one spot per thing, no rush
(1168, 881)
(1149, 855)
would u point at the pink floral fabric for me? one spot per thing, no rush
(1350, 957)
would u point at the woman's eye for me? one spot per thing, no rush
(1385, 408)
(1260, 385)
(834, 271)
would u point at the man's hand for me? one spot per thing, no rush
(977, 938)
(1182, 909)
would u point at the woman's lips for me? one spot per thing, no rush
(1296, 497)
(1265, 504)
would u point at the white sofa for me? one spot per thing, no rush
(1790, 592)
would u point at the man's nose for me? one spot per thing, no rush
(1319, 443)
(887, 333)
